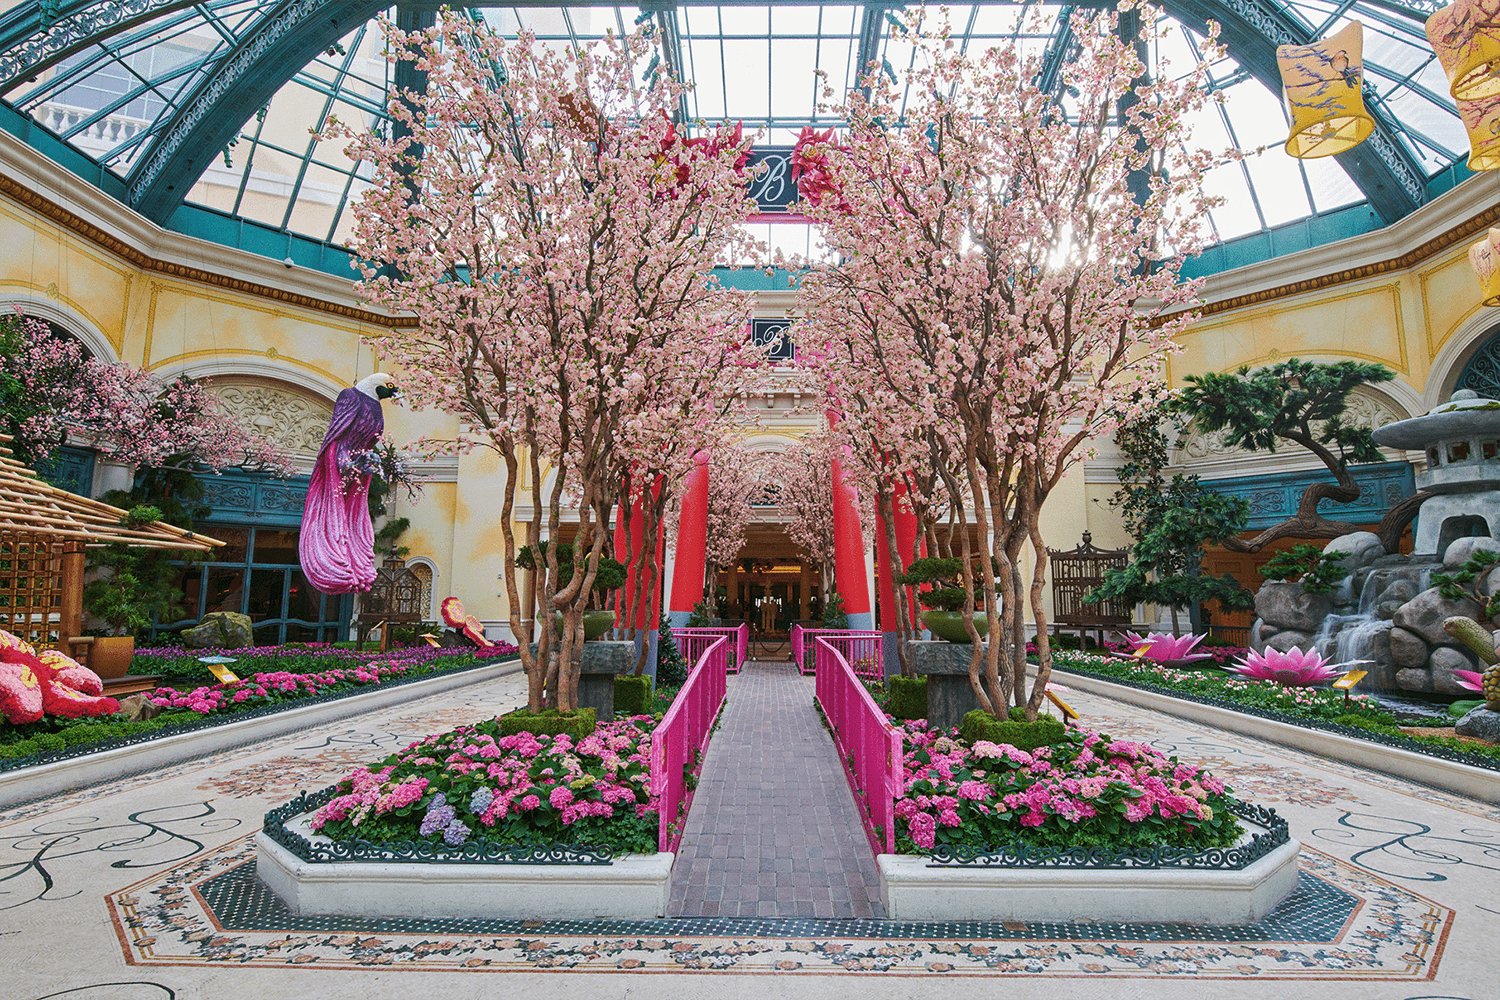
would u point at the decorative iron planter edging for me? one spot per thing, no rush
(210, 722)
(1487, 761)
(474, 852)
(1235, 858)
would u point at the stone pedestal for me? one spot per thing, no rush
(946, 667)
(602, 661)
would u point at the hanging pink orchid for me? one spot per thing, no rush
(1469, 680)
(1292, 668)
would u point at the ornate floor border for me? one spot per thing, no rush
(1342, 924)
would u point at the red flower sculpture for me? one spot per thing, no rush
(33, 687)
(812, 171)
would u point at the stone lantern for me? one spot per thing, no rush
(1461, 439)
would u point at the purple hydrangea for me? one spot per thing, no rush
(481, 801)
(455, 833)
(439, 815)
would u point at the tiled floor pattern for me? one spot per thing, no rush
(143, 890)
(773, 830)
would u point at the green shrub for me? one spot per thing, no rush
(981, 725)
(633, 695)
(550, 722)
(671, 668)
(907, 697)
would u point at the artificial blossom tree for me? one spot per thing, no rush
(552, 235)
(1006, 284)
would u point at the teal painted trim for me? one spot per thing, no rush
(219, 227)
(1273, 497)
(71, 469)
(58, 151)
(1304, 234)
(755, 279)
(253, 498)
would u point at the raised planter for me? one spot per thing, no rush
(946, 667)
(315, 875)
(1236, 885)
(1364, 750)
(152, 751)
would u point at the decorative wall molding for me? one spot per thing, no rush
(294, 421)
(65, 316)
(252, 498)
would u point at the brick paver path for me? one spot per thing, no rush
(772, 831)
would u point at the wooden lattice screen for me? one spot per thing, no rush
(397, 597)
(41, 588)
(1076, 572)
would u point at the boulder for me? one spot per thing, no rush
(1413, 680)
(1287, 638)
(1285, 606)
(1445, 660)
(1381, 667)
(1409, 649)
(137, 708)
(220, 630)
(1460, 549)
(1481, 724)
(1490, 583)
(1359, 548)
(1424, 614)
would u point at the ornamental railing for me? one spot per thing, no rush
(681, 738)
(692, 641)
(869, 747)
(861, 648)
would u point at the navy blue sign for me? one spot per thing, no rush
(774, 335)
(773, 190)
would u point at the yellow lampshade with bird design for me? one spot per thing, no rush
(1323, 84)
(1484, 256)
(1481, 120)
(1466, 38)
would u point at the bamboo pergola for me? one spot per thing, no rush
(44, 531)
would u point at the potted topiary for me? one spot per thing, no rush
(609, 578)
(130, 592)
(944, 598)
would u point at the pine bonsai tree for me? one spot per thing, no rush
(1305, 403)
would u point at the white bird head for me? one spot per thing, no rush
(381, 385)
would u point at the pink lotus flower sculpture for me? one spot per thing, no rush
(1472, 680)
(1159, 647)
(1293, 668)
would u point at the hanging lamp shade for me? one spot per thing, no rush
(1484, 256)
(1323, 87)
(1466, 38)
(1481, 120)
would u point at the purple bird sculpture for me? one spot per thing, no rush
(337, 544)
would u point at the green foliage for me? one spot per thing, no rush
(577, 723)
(703, 614)
(1294, 400)
(834, 615)
(981, 725)
(633, 695)
(907, 697)
(137, 587)
(1317, 571)
(610, 575)
(671, 668)
(946, 579)
(1461, 583)
(1170, 520)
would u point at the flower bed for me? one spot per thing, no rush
(520, 790)
(209, 705)
(1087, 791)
(1360, 717)
(178, 663)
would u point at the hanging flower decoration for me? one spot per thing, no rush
(1322, 84)
(812, 170)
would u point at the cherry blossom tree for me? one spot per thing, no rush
(804, 495)
(736, 479)
(53, 391)
(1007, 284)
(553, 234)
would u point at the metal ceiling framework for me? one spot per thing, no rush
(270, 48)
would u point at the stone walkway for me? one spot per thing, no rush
(773, 830)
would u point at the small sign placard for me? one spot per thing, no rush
(1348, 681)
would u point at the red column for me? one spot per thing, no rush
(630, 542)
(692, 544)
(906, 539)
(850, 575)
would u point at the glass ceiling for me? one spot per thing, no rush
(117, 93)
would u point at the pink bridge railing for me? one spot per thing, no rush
(679, 741)
(863, 649)
(869, 747)
(738, 636)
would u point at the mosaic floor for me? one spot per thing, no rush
(144, 890)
